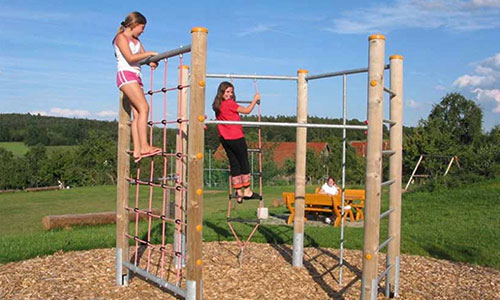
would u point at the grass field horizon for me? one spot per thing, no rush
(460, 225)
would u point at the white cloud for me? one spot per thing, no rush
(107, 114)
(487, 95)
(468, 80)
(485, 85)
(39, 112)
(440, 87)
(65, 112)
(457, 15)
(255, 29)
(411, 103)
(486, 3)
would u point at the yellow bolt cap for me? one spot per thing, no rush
(376, 36)
(198, 228)
(396, 56)
(199, 262)
(199, 191)
(202, 82)
(199, 29)
(199, 155)
(373, 83)
(368, 256)
(302, 71)
(201, 118)
(184, 67)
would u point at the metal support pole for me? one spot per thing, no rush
(300, 171)
(344, 140)
(287, 124)
(395, 168)
(180, 164)
(253, 77)
(196, 141)
(373, 163)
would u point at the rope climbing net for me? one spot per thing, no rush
(156, 255)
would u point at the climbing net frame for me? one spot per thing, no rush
(158, 261)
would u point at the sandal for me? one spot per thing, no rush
(253, 196)
(153, 152)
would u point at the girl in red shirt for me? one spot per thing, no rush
(233, 139)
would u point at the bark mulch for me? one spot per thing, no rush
(266, 273)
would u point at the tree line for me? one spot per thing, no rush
(452, 128)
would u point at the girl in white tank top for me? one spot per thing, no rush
(129, 52)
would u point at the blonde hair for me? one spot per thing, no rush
(133, 19)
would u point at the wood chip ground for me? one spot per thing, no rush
(266, 273)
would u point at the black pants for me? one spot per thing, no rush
(237, 153)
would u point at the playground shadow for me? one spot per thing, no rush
(318, 276)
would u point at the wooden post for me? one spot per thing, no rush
(180, 162)
(395, 169)
(373, 165)
(123, 172)
(300, 170)
(414, 171)
(196, 141)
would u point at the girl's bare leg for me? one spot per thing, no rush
(135, 134)
(136, 96)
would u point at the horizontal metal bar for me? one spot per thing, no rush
(388, 182)
(242, 76)
(166, 54)
(386, 213)
(388, 152)
(171, 287)
(244, 102)
(285, 124)
(389, 91)
(381, 246)
(379, 278)
(224, 170)
(421, 175)
(389, 122)
(253, 150)
(340, 73)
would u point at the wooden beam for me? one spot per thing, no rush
(65, 221)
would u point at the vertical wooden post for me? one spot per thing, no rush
(196, 141)
(373, 165)
(180, 162)
(300, 170)
(395, 169)
(123, 172)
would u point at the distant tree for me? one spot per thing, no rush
(457, 116)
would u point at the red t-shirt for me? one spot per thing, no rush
(228, 112)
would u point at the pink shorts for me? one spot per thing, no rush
(124, 77)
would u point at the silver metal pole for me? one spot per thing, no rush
(287, 124)
(253, 77)
(171, 287)
(210, 167)
(344, 137)
(339, 73)
(166, 54)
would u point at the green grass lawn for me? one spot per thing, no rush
(460, 225)
(19, 148)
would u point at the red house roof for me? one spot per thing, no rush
(360, 147)
(281, 151)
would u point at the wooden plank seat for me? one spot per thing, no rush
(354, 201)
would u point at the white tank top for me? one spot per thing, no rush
(122, 63)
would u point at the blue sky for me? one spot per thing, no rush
(56, 57)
